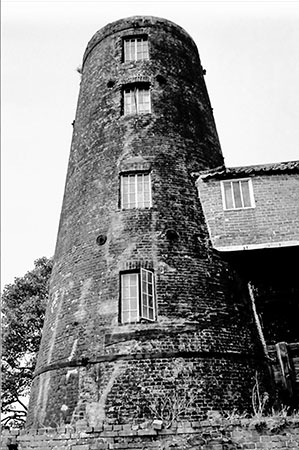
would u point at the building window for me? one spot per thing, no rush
(137, 100)
(237, 194)
(136, 191)
(135, 49)
(137, 296)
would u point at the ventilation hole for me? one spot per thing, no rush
(111, 83)
(101, 239)
(171, 234)
(161, 79)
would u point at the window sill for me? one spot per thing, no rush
(137, 208)
(139, 322)
(239, 209)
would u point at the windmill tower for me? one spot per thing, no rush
(140, 306)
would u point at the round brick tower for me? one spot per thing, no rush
(141, 310)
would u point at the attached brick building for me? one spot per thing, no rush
(143, 311)
(252, 207)
(252, 214)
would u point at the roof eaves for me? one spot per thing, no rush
(225, 172)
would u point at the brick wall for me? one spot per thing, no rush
(274, 219)
(280, 433)
(90, 363)
(260, 243)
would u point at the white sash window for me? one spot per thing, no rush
(137, 296)
(137, 100)
(135, 49)
(136, 191)
(237, 194)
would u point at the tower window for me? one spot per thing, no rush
(136, 48)
(237, 194)
(137, 296)
(137, 100)
(136, 191)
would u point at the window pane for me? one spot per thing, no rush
(150, 289)
(237, 194)
(129, 49)
(246, 193)
(133, 292)
(131, 52)
(228, 195)
(132, 49)
(136, 100)
(146, 203)
(124, 191)
(140, 190)
(129, 297)
(139, 54)
(151, 314)
(145, 49)
(125, 317)
(133, 193)
(126, 50)
(135, 49)
(140, 179)
(127, 102)
(134, 315)
(150, 301)
(132, 200)
(143, 101)
(126, 292)
(133, 279)
(146, 182)
(147, 294)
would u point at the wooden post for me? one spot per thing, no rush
(286, 369)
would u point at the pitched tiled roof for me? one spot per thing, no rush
(231, 172)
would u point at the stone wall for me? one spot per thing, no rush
(268, 433)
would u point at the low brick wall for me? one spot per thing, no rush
(271, 433)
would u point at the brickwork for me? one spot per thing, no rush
(261, 242)
(90, 366)
(208, 435)
(273, 220)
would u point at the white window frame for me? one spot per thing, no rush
(137, 194)
(135, 93)
(138, 311)
(133, 41)
(251, 195)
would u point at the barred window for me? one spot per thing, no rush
(137, 100)
(136, 49)
(137, 296)
(135, 191)
(237, 194)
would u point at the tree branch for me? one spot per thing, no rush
(22, 404)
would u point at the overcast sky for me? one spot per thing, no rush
(250, 50)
